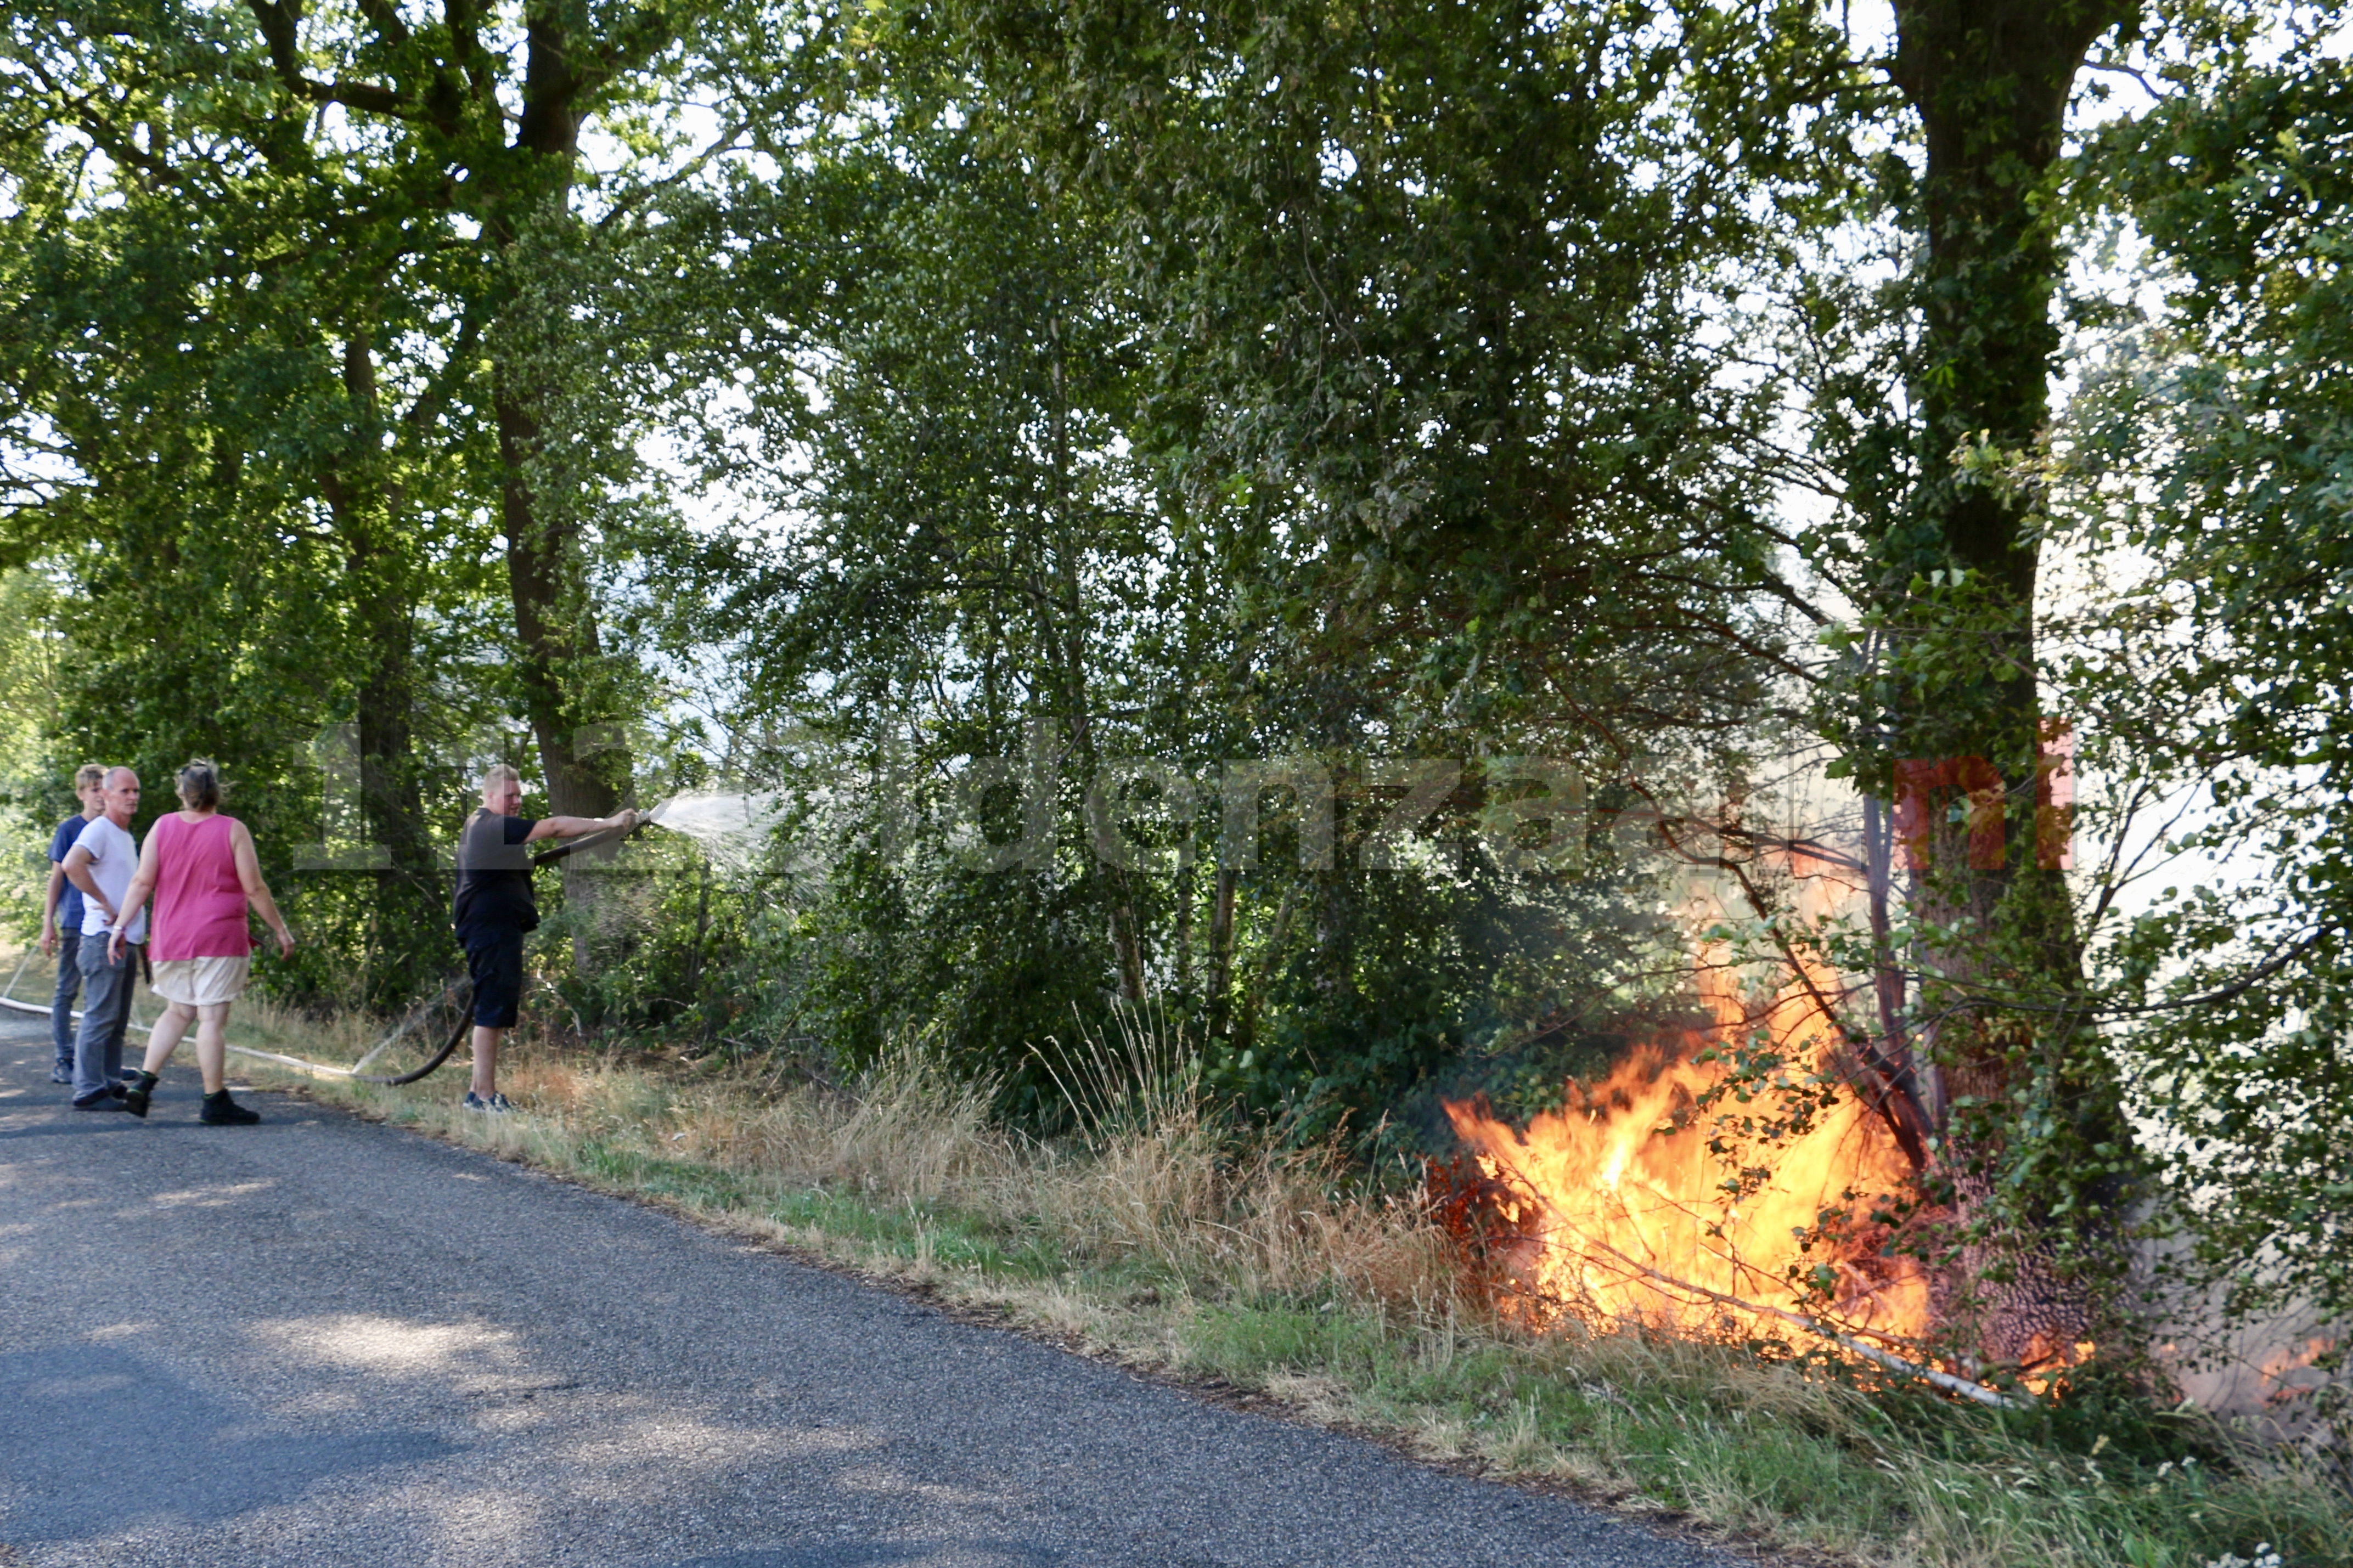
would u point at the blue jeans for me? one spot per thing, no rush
(105, 1014)
(61, 1018)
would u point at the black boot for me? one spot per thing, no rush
(137, 1086)
(220, 1111)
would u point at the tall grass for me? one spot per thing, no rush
(1163, 1234)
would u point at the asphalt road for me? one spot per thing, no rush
(319, 1341)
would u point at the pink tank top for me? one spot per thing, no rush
(199, 902)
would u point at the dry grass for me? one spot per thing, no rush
(1172, 1242)
(1163, 1195)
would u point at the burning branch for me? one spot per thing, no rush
(1886, 1359)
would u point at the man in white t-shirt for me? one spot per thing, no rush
(102, 863)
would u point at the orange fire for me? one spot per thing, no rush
(1623, 1219)
(2287, 1373)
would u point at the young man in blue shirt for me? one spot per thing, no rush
(61, 909)
(104, 863)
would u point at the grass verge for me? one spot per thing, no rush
(1179, 1250)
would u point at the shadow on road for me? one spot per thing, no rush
(120, 1441)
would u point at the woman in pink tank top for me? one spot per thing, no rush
(201, 871)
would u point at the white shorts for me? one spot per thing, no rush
(200, 981)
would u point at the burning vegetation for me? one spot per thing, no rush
(1619, 1209)
(1726, 1182)
(1701, 1185)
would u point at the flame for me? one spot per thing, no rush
(2045, 1366)
(2280, 1371)
(1622, 1217)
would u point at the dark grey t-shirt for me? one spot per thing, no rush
(494, 874)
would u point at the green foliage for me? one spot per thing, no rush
(2217, 449)
(28, 678)
(1433, 280)
(1293, 423)
(997, 556)
(276, 300)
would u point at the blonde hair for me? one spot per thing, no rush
(500, 773)
(89, 773)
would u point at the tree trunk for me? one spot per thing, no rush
(1112, 883)
(556, 625)
(1222, 952)
(1990, 80)
(1338, 896)
(555, 621)
(408, 916)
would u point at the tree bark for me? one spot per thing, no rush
(1222, 952)
(556, 623)
(1068, 596)
(1990, 80)
(408, 916)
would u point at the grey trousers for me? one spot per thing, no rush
(61, 1018)
(105, 1014)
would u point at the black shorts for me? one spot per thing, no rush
(494, 958)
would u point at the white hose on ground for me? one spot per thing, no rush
(134, 1027)
(43, 1007)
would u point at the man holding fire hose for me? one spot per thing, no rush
(494, 909)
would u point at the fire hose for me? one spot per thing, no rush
(448, 1048)
(417, 1015)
